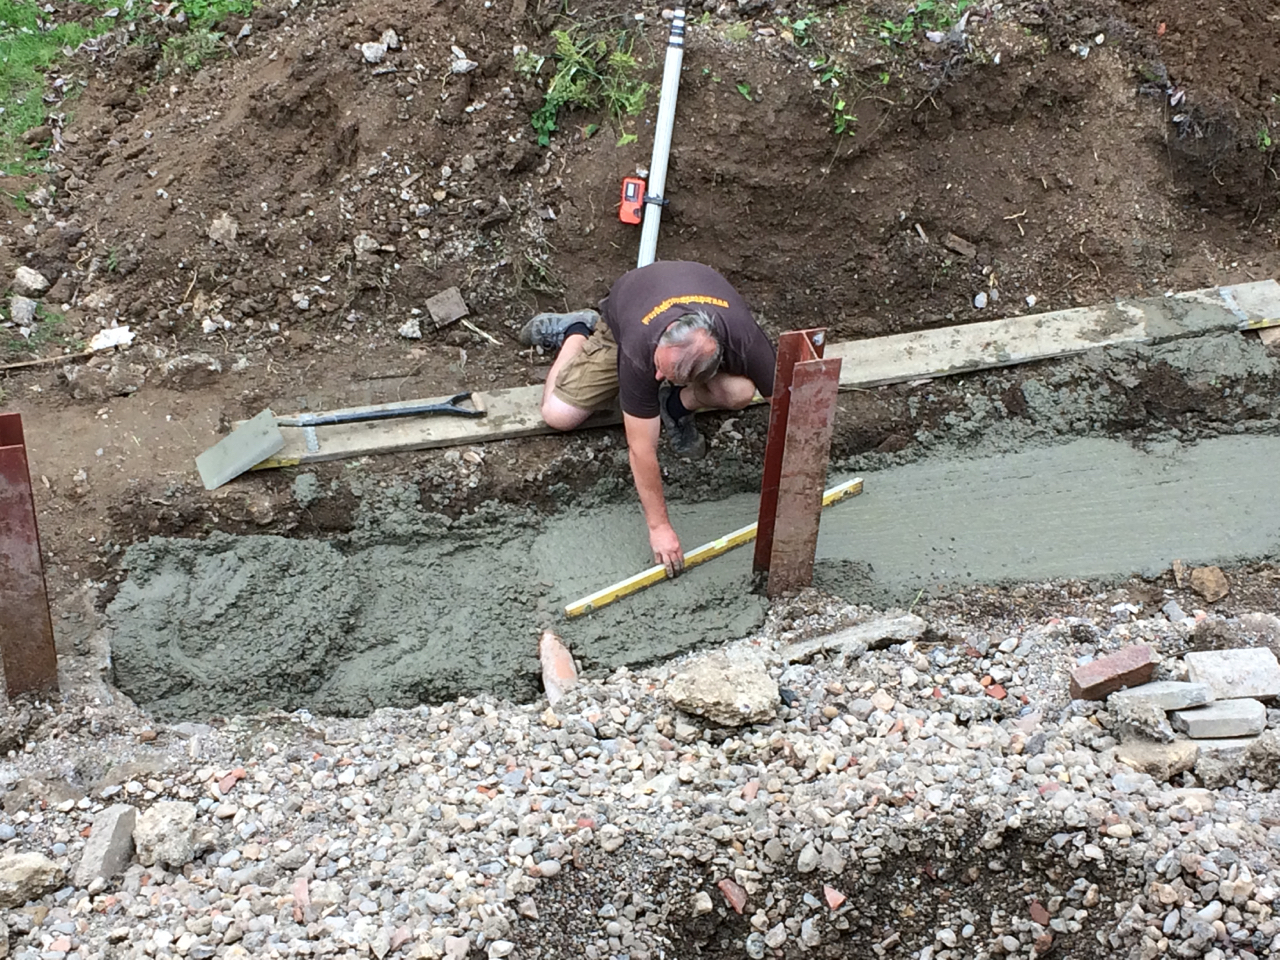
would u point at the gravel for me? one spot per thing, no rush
(942, 821)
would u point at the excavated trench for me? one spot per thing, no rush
(928, 880)
(1102, 466)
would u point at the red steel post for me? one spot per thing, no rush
(26, 629)
(815, 385)
(794, 346)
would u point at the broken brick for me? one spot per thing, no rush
(997, 691)
(1039, 914)
(1127, 668)
(834, 896)
(733, 893)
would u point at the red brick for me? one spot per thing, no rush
(1128, 668)
(834, 896)
(1039, 914)
(736, 896)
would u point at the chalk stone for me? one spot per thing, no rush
(1247, 672)
(1226, 718)
(1165, 694)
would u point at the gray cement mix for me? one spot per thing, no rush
(410, 607)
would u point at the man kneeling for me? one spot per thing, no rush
(670, 338)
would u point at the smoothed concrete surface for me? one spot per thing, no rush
(1090, 508)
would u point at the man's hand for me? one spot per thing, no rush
(666, 549)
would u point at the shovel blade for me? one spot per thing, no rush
(240, 450)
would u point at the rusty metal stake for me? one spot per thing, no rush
(794, 346)
(26, 629)
(810, 421)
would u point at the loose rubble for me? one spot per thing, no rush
(886, 799)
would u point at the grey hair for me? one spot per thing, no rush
(692, 366)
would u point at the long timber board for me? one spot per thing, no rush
(1001, 343)
(900, 358)
(509, 414)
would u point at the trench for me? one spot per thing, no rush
(1101, 467)
(413, 608)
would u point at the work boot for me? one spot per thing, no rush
(547, 330)
(683, 434)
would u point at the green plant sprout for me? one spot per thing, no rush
(841, 119)
(591, 73)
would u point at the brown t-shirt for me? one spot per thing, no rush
(644, 302)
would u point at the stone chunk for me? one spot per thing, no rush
(447, 306)
(1247, 672)
(1222, 762)
(853, 641)
(960, 245)
(165, 834)
(22, 310)
(1210, 582)
(29, 283)
(1140, 719)
(110, 845)
(727, 690)
(1263, 758)
(25, 877)
(1226, 718)
(1127, 668)
(1165, 694)
(1161, 760)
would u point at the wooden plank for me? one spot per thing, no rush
(708, 551)
(1001, 343)
(511, 413)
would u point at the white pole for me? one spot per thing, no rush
(662, 140)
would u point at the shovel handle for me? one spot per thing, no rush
(357, 414)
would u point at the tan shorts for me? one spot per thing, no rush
(590, 380)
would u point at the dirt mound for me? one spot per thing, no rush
(343, 193)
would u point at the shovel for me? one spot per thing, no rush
(259, 438)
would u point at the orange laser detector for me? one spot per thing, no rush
(631, 209)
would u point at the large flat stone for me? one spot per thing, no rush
(1165, 694)
(1163, 761)
(1245, 672)
(1125, 668)
(1226, 718)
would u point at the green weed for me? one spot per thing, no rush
(46, 331)
(841, 120)
(1264, 139)
(744, 88)
(800, 29)
(924, 15)
(190, 49)
(592, 73)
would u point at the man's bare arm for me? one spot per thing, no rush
(642, 445)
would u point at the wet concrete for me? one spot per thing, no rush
(411, 608)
